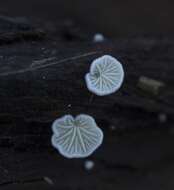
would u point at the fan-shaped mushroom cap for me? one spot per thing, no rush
(106, 76)
(76, 137)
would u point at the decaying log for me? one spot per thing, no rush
(43, 80)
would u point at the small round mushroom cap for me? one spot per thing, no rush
(89, 164)
(76, 137)
(105, 77)
(98, 37)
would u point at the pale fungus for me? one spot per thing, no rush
(89, 165)
(98, 37)
(105, 77)
(76, 137)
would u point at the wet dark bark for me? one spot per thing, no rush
(42, 78)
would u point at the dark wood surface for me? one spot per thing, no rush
(42, 78)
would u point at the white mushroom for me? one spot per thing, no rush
(98, 37)
(76, 137)
(89, 165)
(105, 77)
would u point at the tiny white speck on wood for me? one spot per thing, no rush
(89, 165)
(98, 37)
(113, 128)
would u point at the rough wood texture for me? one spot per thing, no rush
(137, 152)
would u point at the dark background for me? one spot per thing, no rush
(111, 17)
(137, 151)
